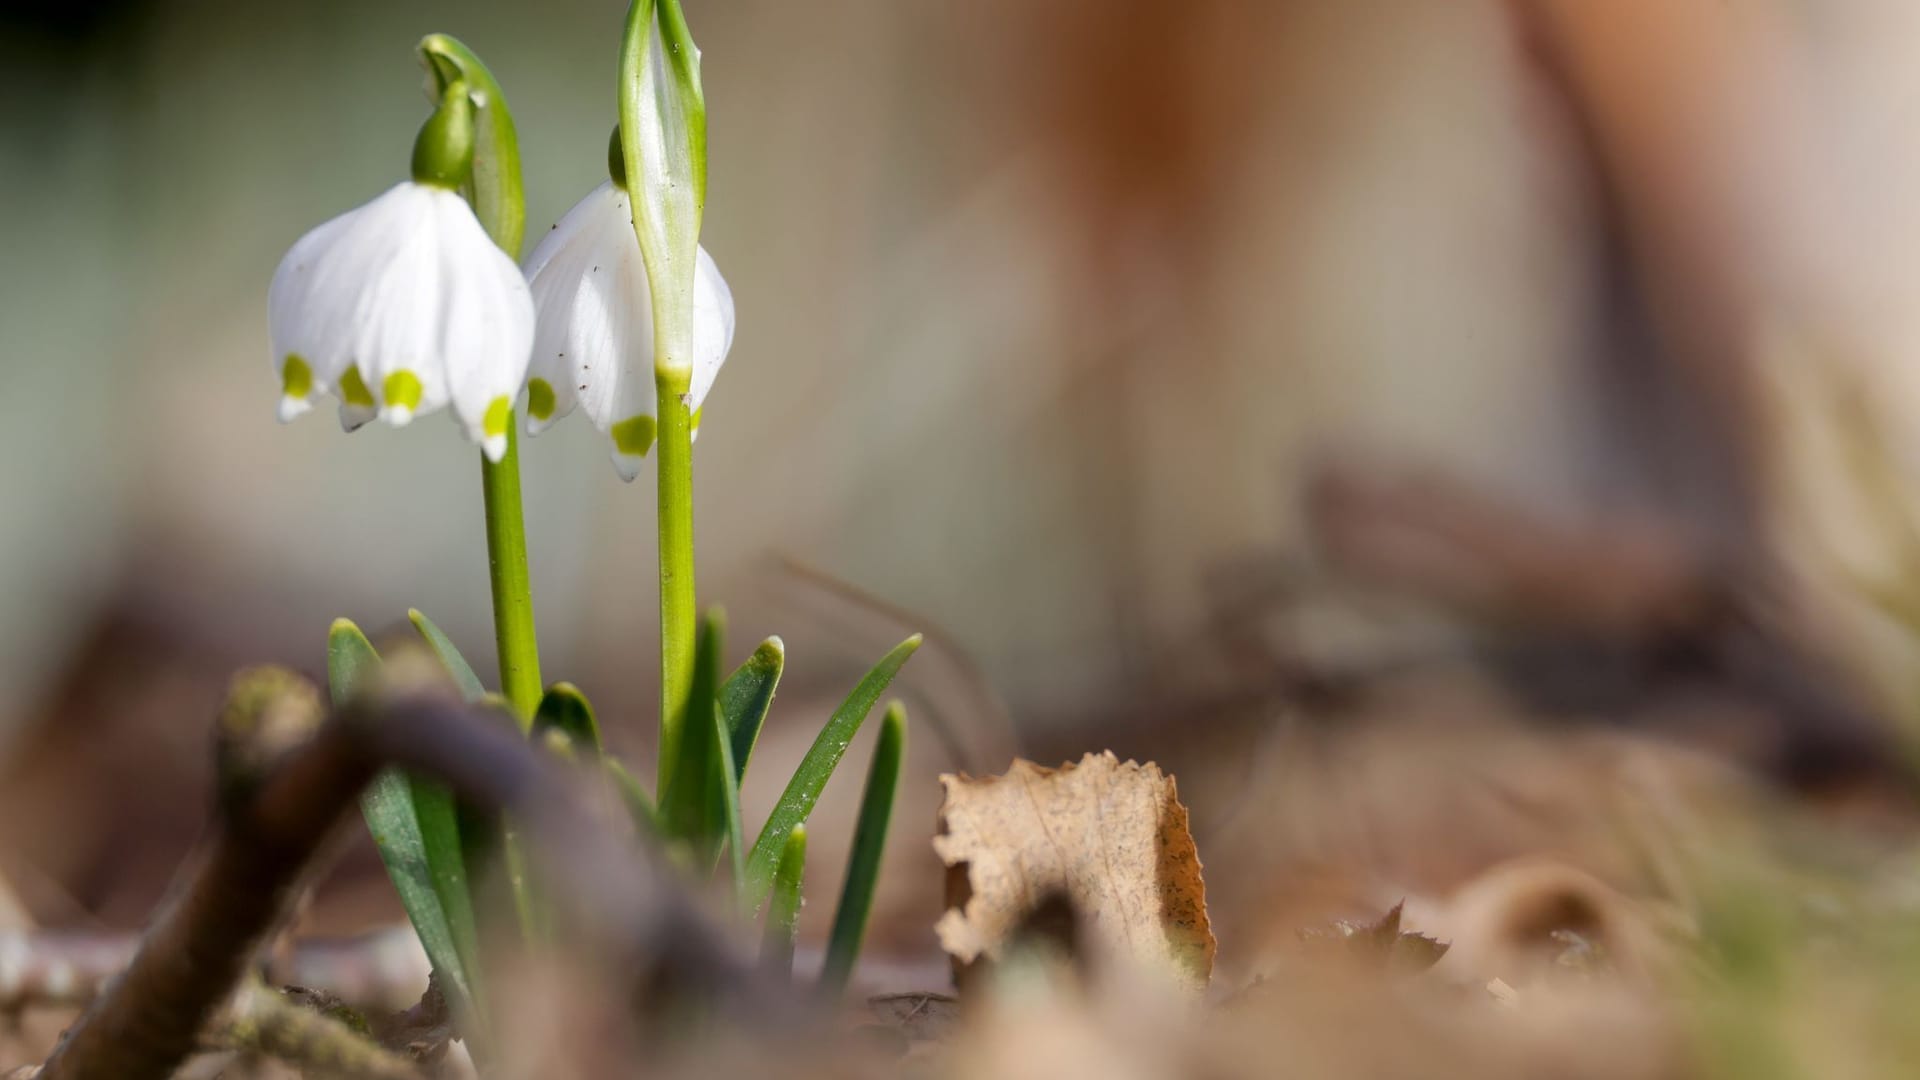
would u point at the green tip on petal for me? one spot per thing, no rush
(353, 389)
(634, 436)
(296, 386)
(493, 428)
(296, 377)
(499, 415)
(402, 391)
(540, 400)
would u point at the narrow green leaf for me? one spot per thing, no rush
(783, 912)
(351, 661)
(449, 656)
(745, 698)
(439, 818)
(484, 842)
(646, 819)
(869, 843)
(726, 785)
(388, 805)
(565, 709)
(442, 819)
(810, 778)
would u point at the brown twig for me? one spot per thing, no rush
(625, 907)
(55, 968)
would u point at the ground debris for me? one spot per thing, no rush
(1112, 838)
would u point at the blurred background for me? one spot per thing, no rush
(1200, 385)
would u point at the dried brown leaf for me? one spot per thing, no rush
(1112, 837)
(1381, 940)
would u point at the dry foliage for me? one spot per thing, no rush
(1111, 838)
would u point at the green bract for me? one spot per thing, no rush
(663, 136)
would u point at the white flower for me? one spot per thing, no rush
(593, 342)
(400, 307)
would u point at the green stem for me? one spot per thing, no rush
(500, 203)
(513, 632)
(679, 622)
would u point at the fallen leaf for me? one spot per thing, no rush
(1382, 940)
(1112, 837)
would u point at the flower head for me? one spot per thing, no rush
(593, 345)
(404, 305)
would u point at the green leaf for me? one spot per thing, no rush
(484, 840)
(646, 819)
(869, 843)
(438, 815)
(745, 698)
(810, 778)
(389, 807)
(783, 912)
(495, 187)
(565, 709)
(351, 661)
(694, 804)
(726, 784)
(449, 656)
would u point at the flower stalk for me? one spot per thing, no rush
(663, 136)
(678, 616)
(494, 188)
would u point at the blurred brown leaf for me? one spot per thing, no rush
(1381, 940)
(1111, 837)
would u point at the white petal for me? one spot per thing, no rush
(293, 407)
(406, 295)
(307, 304)
(489, 321)
(354, 417)
(401, 319)
(627, 465)
(712, 326)
(593, 342)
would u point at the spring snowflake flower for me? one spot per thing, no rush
(404, 305)
(593, 345)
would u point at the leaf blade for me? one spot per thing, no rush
(869, 844)
(810, 778)
(783, 910)
(388, 806)
(444, 650)
(646, 817)
(565, 709)
(746, 697)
